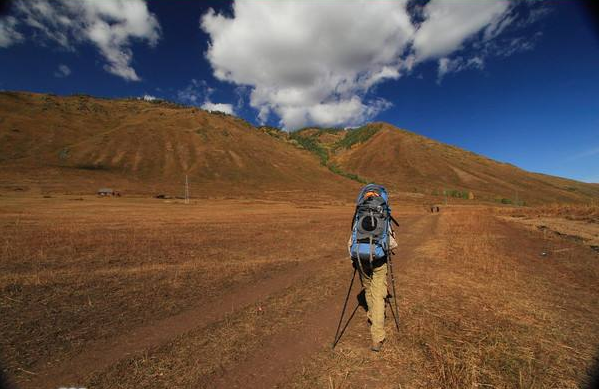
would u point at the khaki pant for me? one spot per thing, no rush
(376, 291)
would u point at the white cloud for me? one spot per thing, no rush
(149, 98)
(450, 23)
(8, 33)
(63, 71)
(310, 62)
(194, 92)
(449, 65)
(197, 91)
(315, 62)
(111, 26)
(488, 41)
(219, 107)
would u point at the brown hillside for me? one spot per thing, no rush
(410, 162)
(80, 143)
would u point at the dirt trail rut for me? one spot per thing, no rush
(103, 354)
(285, 352)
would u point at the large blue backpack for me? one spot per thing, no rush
(371, 228)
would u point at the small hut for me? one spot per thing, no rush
(105, 192)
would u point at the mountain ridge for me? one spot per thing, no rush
(75, 143)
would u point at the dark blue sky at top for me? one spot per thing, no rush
(537, 109)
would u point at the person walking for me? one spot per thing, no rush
(374, 283)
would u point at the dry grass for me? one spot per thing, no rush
(479, 305)
(73, 272)
(575, 222)
(581, 212)
(203, 355)
(480, 308)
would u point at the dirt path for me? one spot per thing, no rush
(280, 354)
(285, 352)
(103, 354)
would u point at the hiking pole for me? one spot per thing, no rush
(395, 315)
(351, 284)
(390, 265)
(346, 324)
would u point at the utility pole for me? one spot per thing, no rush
(186, 190)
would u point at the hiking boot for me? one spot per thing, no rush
(376, 347)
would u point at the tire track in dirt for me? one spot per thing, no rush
(283, 353)
(100, 355)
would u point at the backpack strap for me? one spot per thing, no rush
(393, 220)
(353, 219)
(370, 250)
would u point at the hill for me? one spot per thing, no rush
(408, 162)
(77, 144)
(81, 143)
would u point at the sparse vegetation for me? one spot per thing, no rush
(355, 136)
(457, 193)
(580, 212)
(335, 169)
(311, 143)
(91, 166)
(127, 138)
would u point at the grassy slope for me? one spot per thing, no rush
(410, 162)
(81, 143)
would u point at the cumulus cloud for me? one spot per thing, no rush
(8, 33)
(147, 97)
(309, 62)
(218, 107)
(111, 26)
(63, 71)
(315, 62)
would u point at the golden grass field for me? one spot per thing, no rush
(143, 293)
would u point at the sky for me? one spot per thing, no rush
(516, 81)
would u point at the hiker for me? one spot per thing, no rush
(370, 258)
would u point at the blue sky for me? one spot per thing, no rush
(516, 82)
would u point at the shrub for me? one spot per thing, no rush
(358, 135)
(312, 145)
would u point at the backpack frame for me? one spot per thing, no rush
(371, 228)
